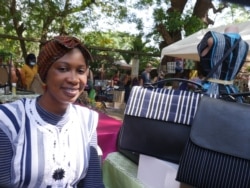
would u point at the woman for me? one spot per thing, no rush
(29, 70)
(49, 141)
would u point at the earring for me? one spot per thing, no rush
(44, 86)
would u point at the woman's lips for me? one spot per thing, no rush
(71, 92)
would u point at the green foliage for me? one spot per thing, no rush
(174, 21)
(142, 3)
(248, 68)
(160, 15)
(42, 19)
(5, 57)
(237, 14)
(39, 20)
(192, 24)
(121, 41)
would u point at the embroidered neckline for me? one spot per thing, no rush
(51, 118)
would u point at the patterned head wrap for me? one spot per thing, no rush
(56, 48)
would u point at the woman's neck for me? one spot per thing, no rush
(51, 106)
(51, 118)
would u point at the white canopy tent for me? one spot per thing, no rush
(123, 65)
(187, 48)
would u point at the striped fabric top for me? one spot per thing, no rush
(43, 154)
(163, 104)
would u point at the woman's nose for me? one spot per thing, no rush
(73, 77)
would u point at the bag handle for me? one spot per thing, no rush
(221, 60)
(154, 85)
(233, 96)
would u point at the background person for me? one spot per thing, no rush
(116, 78)
(90, 80)
(29, 70)
(198, 78)
(127, 85)
(145, 75)
(14, 78)
(160, 77)
(49, 141)
(135, 81)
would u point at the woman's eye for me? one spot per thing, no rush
(81, 71)
(62, 69)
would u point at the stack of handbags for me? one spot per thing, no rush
(217, 154)
(212, 153)
(157, 123)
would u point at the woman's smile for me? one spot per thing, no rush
(70, 92)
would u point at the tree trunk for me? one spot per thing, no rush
(19, 28)
(178, 5)
(201, 10)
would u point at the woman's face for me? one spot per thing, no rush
(67, 77)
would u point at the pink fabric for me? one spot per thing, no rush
(107, 131)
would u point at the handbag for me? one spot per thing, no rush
(212, 71)
(157, 122)
(217, 153)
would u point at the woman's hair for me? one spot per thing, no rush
(149, 65)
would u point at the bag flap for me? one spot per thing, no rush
(163, 104)
(223, 127)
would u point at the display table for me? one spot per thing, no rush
(107, 131)
(120, 172)
(11, 98)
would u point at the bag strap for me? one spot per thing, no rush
(167, 80)
(221, 60)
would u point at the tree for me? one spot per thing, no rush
(171, 21)
(32, 22)
(106, 47)
(241, 2)
(175, 19)
(25, 24)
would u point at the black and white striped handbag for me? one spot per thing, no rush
(217, 154)
(157, 122)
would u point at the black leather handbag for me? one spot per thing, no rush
(157, 122)
(217, 153)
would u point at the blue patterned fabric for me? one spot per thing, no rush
(163, 104)
(230, 66)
